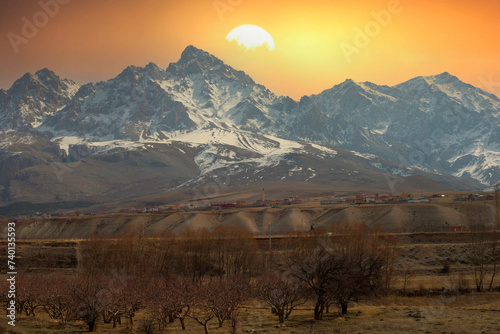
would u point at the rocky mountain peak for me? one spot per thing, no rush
(445, 76)
(129, 71)
(32, 97)
(3, 96)
(132, 73)
(196, 61)
(45, 74)
(26, 82)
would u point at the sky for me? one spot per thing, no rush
(318, 44)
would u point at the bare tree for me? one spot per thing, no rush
(497, 206)
(366, 256)
(318, 271)
(478, 254)
(406, 275)
(56, 296)
(484, 255)
(201, 311)
(282, 294)
(168, 298)
(121, 255)
(28, 293)
(91, 254)
(350, 263)
(495, 258)
(225, 297)
(164, 256)
(195, 253)
(234, 251)
(123, 298)
(89, 301)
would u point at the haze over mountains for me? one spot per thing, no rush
(151, 130)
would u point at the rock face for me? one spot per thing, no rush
(437, 127)
(33, 97)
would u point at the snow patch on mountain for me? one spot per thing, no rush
(365, 155)
(324, 149)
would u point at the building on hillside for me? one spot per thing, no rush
(405, 197)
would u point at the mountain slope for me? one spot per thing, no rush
(428, 123)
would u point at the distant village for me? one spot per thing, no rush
(370, 198)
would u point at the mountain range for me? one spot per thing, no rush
(200, 123)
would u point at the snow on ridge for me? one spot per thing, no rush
(374, 92)
(481, 159)
(268, 151)
(324, 149)
(262, 144)
(366, 156)
(65, 142)
(9, 141)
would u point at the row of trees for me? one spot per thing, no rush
(207, 276)
(94, 298)
(225, 252)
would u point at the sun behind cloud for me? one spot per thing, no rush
(251, 37)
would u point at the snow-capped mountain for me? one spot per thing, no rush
(438, 124)
(206, 118)
(33, 97)
(199, 91)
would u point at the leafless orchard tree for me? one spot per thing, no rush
(282, 294)
(28, 293)
(87, 291)
(201, 311)
(351, 263)
(56, 297)
(318, 271)
(169, 298)
(226, 296)
(123, 298)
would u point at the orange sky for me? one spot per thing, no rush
(94, 40)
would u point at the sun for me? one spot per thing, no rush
(251, 37)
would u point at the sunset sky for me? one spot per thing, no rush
(317, 43)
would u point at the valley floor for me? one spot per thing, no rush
(471, 313)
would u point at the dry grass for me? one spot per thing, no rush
(472, 313)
